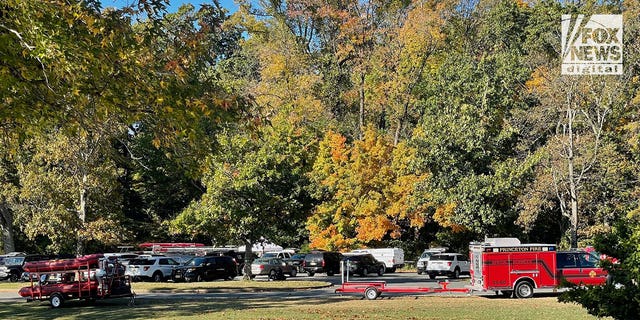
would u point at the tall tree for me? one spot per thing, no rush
(366, 192)
(255, 189)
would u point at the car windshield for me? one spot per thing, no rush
(298, 256)
(352, 258)
(443, 257)
(195, 262)
(141, 262)
(270, 255)
(261, 261)
(13, 261)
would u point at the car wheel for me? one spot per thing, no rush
(371, 293)
(381, 271)
(294, 272)
(456, 273)
(157, 276)
(419, 272)
(199, 278)
(524, 290)
(392, 270)
(311, 273)
(432, 276)
(56, 300)
(14, 277)
(330, 273)
(272, 274)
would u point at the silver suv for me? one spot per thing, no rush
(448, 264)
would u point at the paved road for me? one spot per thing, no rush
(400, 279)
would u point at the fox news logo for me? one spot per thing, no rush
(592, 44)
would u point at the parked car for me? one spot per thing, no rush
(421, 265)
(297, 260)
(238, 257)
(206, 268)
(271, 267)
(12, 268)
(363, 264)
(278, 254)
(393, 258)
(448, 264)
(320, 262)
(152, 268)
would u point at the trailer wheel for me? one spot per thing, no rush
(56, 300)
(371, 293)
(524, 290)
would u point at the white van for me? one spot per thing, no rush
(393, 258)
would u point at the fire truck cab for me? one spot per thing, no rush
(506, 266)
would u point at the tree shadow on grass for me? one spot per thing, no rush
(149, 308)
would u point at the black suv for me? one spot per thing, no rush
(12, 268)
(363, 264)
(319, 262)
(206, 268)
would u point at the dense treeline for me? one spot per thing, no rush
(328, 124)
(321, 124)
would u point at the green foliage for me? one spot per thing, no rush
(255, 187)
(620, 297)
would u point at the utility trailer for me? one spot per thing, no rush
(374, 289)
(90, 277)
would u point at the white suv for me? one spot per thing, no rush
(424, 258)
(153, 268)
(447, 264)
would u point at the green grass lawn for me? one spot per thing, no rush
(201, 286)
(332, 307)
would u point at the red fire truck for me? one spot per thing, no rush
(506, 266)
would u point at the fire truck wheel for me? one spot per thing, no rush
(371, 293)
(56, 300)
(524, 290)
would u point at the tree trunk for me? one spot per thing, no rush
(361, 114)
(248, 258)
(6, 226)
(396, 136)
(573, 196)
(82, 216)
